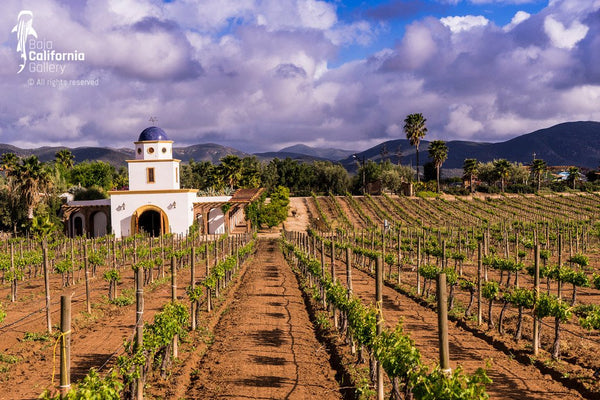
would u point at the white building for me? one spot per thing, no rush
(154, 202)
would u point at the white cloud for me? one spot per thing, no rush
(316, 14)
(518, 18)
(468, 22)
(418, 45)
(563, 37)
(254, 74)
(460, 124)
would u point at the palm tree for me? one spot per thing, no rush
(65, 158)
(502, 167)
(33, 179)
(470, 166)
(415, 129)
(9, 161)
(438, 152)
(538, 168)
(231, 169)
(573, 175)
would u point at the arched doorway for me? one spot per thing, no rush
(99, 224)
(151, 220)
(78, 226)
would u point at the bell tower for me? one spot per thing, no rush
(154, 167)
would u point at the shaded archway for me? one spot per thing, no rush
(151, 220)
(78, 226)
(99, 223)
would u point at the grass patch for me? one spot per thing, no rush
(126, 298)
(8, 359)
(36, 337)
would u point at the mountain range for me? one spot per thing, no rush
(570, 143)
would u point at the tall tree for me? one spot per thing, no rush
(502, 167)
(438, 152)
(415, 129)
(65, 158)
(9, 163)
(470, 166)
(33, 181)
(573, 175)
(538, 167)
(231, 170)
(251, 170)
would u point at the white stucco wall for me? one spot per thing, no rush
(154, 150)
(177, 205)
(166, 175)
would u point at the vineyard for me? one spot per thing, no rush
(488, 249)
(343, 304)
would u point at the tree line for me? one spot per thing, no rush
(31, 189)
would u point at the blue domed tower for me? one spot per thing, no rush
(154, 202)
(153, 144)
(154, 167)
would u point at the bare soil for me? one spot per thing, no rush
(265, 346)
(96, 338)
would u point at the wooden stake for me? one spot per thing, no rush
(47, 287)
(87, 279)
(379, 317)
(443, 323)
(65, 345)
(194, 304)
(139, 327)
(349, 269)
(479, 276)
(536, 288)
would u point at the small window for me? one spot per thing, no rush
(164, 149)
(150, 175)
(139, 150)
(150, 150)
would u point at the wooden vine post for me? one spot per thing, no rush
(13, 281)
(479, 277)
(174, 300)
(139, 327)
(194, 304)
(443, 323)
(536, 288)
(87, 279)
(399, 255)
(379, 320)
(349, 270)
(323, 273)
(65, 345)
(47, 286)
(418, 265)
(208, 294)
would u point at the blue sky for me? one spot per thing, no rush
(395, 15)
(259, 75)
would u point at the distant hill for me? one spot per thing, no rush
(118, 157)
(325, 154)
(206, 152)
(570, 143)
(268, 156)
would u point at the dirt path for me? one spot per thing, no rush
(298, 218)
(511, 379)
(265, 346)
